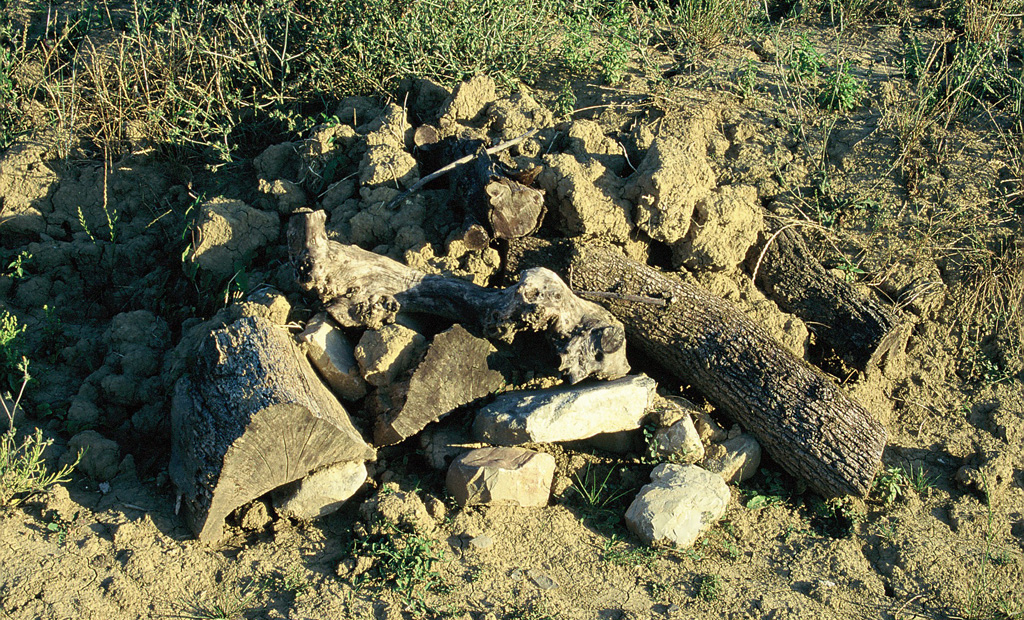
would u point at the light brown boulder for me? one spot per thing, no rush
(501, 476)
(334, 357)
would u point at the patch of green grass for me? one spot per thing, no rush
(709, 587)
(597, 499)
(705, 23)
(893, 483)
(993, 595)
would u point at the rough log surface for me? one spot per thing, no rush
(249, 416)
(361, 288)
(800, 416)
(860, 329)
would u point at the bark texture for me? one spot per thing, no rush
(361, 288)
(860, 329)
(799, 414)
(248, 417)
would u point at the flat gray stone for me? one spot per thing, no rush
(501, 476)
(680, 503)
(320, 493)
(565, 413)
(333, 355)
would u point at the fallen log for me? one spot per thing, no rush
(860, 329)
(360, 288)
(801, 417)
(249, 416)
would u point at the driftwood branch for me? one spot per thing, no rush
(799, 414)
(363, 288)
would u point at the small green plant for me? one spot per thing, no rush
(11, 352)
(891, 484)
(709, 587)
(805, 61)
(23, 471)
(61, 527)
(620, 554)
(405, 559)
(851, 271)
(16, 267)
(746, 79)
(597, 499)
(841, 90)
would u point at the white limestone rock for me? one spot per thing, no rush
(679, 443)
(565, 413)
(680, 503)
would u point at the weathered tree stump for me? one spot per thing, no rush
(799, 414)
(249, 416)
(361, 288)
(860, 329)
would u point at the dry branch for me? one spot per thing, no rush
(363, 288)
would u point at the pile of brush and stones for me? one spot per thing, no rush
(275, 397)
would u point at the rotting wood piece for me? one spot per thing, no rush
(360, 288)
(493, 202)
(249, 416)
(458, 369)
(860, 329)
(801, 417)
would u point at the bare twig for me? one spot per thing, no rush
(455, 164)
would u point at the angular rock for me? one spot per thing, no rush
(385, 353)
(320, 493)
(735, 459)
(228, 231)
(709, 430)
(679, 504)
(679, 443)
(565, 413)
(469, 100)
(333, 355)
(501, 476)
(458, 369)
(726, 223)
(100, 456)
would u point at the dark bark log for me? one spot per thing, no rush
(458, 369)
(363, 288)
(860, 329)
(800, 416)
(249, 416)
